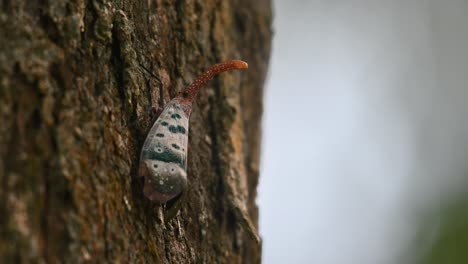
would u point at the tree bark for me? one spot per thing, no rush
(77, 79)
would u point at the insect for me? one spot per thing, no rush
(163, 159)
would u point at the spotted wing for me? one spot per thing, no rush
(163, 160)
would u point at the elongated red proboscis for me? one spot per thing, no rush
(191, 91)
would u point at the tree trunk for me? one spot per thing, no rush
(76, 82)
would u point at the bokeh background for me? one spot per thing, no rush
(365, 136)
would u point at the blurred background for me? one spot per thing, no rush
(365, 136)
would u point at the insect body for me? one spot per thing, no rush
(163, 159)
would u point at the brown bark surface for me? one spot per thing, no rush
(76, 81)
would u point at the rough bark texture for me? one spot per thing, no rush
(76, 80)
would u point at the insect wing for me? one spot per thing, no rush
(163, 160)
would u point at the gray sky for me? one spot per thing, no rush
(365, 126)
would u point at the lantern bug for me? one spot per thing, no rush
(163, 159)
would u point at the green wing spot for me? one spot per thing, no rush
(175, 146)
(176, 116)
(181, 129)
(164, 123)
(173, 129)
(167, 155)
(160, 135)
